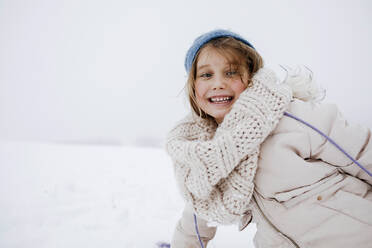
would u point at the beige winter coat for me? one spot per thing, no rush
(324, 201)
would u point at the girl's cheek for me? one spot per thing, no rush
(239, 85)
(199, 99)
(200, 90)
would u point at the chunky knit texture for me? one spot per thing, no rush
(215, 165)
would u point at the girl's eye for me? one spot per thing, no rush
(206, 75)
(231, 73)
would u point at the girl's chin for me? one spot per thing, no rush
(219, 120)
(218, 115)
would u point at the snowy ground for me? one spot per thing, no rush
(63, 195)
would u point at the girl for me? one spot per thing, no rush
(239, 156)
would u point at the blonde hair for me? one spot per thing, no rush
(236, 52)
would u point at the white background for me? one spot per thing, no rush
(85, 85)
(111, 72)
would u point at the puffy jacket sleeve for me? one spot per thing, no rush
(354, 139)
(203, 155)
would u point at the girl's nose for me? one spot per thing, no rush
(219, 83)
(218, 87)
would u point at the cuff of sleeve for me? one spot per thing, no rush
(229, 154)
(199, 172)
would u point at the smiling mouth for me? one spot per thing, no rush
(225, 99)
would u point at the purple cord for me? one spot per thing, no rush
(197, 231)
(163, 245)
(330, 140)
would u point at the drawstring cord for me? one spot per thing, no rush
(197, 231)
(321, 133)
(330, 140)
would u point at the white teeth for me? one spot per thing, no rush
(221, 99)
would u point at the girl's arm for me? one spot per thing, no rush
(354, 139)
(201, 160)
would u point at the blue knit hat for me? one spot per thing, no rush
(203, 39)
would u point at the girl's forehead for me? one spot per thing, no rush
(221, 56)
(208, 55)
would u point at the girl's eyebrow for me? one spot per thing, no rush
(202, 66)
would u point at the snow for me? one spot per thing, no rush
(69, 195)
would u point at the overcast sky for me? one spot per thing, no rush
(112, 71)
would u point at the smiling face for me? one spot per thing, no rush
(218, 83)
